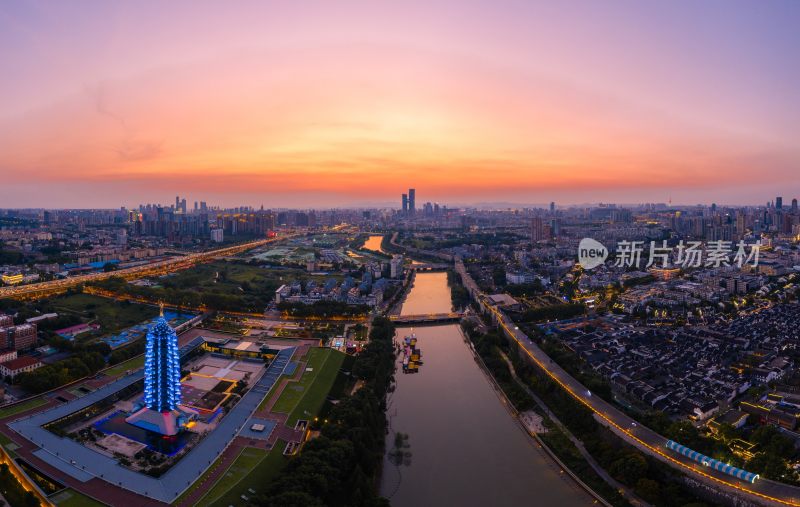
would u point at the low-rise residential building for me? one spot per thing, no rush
(19, 365)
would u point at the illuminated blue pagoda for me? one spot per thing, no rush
(162, 368)
(160, 409)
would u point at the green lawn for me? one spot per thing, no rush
(21, 407)
(272, 392)
(304, 399)
(71, 498)
(112, 315)
(133, 363)
(251, 474)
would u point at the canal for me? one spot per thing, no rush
(465, 448)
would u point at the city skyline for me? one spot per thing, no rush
(274, 253)
(577, 103)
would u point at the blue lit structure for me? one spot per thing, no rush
(160, 410)
(162, 368)
(712, 463)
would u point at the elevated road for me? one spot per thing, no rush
(45, 289)
(762, 492)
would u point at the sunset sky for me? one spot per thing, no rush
(337, 103)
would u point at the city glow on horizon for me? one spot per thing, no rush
(347, 104)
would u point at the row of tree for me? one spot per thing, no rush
(80, 365)
(341, 466)
(459, 295)
(323, 308)
(486, 345)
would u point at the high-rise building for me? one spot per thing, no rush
(779, 202)
(555, 227)
(122, 237)
(537, 229)
(412, 201)
(396, 266)
(794, 205)
(405, 204)
(552, 207)
(160, 410)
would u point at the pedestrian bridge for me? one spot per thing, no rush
(427, 318)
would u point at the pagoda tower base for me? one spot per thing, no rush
(166, 423)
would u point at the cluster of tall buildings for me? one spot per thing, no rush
(546, 227)
(409, 206)
(733, 224)
(178, 223)
(409, 202)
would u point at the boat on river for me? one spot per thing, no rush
(412, 356)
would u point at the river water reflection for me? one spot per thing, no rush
(465, 447)
(374, 243)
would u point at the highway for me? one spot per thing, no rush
(45, 289)
(763, 491)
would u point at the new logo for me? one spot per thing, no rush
(591, 253)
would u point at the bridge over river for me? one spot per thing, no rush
(427, 318)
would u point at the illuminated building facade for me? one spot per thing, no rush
(160, 410)
(162, 369)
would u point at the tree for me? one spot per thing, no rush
(649, 490)
(629, 468)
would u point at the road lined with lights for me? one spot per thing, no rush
(764, 492)
(45, 289)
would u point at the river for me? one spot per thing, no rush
(374, 243)
(466, 449)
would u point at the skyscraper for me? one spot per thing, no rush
(412, 201)
(405, 204)
(552, 207)
(794, 205)
(779, 202)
